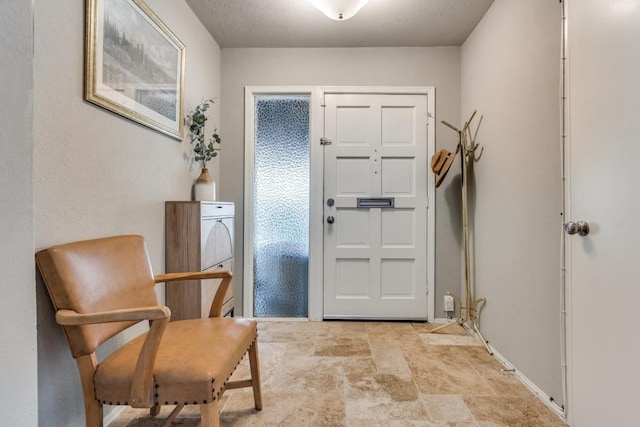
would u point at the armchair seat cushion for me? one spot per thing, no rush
(195, 359)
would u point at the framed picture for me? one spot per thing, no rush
(134, 65)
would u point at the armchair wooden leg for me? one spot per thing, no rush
(92, 408)
(155, 410)
(255, 374)
(209, 415)
(93, 413)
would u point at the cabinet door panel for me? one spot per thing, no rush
(209, 288)
(217, 241)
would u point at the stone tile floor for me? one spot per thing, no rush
(371, 374)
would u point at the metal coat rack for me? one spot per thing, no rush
(467, 149)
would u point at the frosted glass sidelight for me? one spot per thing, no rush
(281, 206)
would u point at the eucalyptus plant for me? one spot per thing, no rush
(203, 150)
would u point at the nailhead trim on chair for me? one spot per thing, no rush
(216, 397)
(222, 389)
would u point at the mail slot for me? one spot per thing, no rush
(378, 202)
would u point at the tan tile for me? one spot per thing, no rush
(410, 423)
(435, 424)
(286, 332)
(446, 407)
(416, 347)
(189, 417)
(439, 377)
(512, 411)
(415, 423)
(460, 424)
(358, 365)
(382, 397)
(300, 348)
(389, 359)
(501, 382)
(286, 409)
(455, 329)
(506, 384)
(366, 423)
(422, 351)
(309, 374)
(443, 372)
(479, 358)
(342, 346)
(442, 339)
(392, 333)
(328, 328)
(390, 328)
(405, 341)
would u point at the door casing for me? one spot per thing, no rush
(316, 224)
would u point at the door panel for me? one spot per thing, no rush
(352, 176)
(604, 177)
(398, 125)
(398, 227)
(345, 270)
(398, 279)
(376, 258)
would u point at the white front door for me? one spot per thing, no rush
(376, 206)
(604, 178)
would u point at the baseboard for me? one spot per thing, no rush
(544, 397)
(112, 415)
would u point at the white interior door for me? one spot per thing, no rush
(604, 177)
(375, 258)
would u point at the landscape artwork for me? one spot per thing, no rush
(135, 65)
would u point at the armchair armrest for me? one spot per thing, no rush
(71, 318)
(142, 384)
(172, 277)
(218, 299)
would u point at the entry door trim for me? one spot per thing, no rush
(316, 225)
(430, 93)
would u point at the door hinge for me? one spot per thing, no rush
(325, 141)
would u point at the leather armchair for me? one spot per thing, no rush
(101, 287)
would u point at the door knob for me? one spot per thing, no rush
(581, 228)
(330, 220)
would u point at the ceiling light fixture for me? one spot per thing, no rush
(339, 10)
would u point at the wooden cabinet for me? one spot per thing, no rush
(198, 237)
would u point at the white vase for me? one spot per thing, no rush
(204, 188)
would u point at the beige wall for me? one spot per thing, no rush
(510, 74)
(439, 67)
(18, 389)
(98, 174)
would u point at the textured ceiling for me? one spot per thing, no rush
(297, 23)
